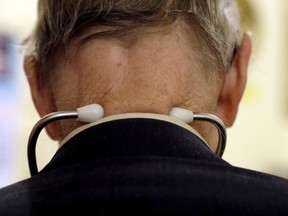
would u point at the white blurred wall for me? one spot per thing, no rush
(17, 16)
(259, 138)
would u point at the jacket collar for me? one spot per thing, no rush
(131, 135)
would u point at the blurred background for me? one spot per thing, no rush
(258, 140)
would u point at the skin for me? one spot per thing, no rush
(152, 70)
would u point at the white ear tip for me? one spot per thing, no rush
(184, 115)
(90, 113)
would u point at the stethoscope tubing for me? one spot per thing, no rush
(39, 126)
(64, 115)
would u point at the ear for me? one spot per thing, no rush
(42, 96)
(235, 83)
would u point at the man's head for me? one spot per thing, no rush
(137, 56)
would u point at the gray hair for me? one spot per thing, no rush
(59, 21)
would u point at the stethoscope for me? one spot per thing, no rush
(93, 112)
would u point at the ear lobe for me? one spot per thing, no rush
(235, 83)
(42, 96)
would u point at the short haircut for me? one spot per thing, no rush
(59, 21)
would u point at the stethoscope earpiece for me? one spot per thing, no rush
(94, 112)
(184, 115)
(90, 113)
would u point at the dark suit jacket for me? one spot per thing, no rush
(143, 167)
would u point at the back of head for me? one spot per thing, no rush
(216, 23)
(142, 56)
